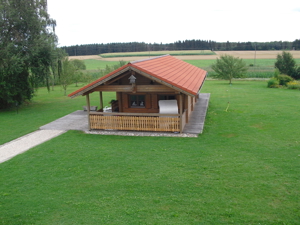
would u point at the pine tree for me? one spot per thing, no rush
(286, 64)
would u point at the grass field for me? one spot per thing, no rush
(93, 64)
(263, 63)
(264, 68)
(157, 53)
(243, 169)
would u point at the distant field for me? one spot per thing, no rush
(263, 61)
(93, 64)
(264, 68)
(240, 54)
(156, 53)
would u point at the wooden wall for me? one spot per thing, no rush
(152, 91)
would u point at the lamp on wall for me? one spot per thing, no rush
(132, 79)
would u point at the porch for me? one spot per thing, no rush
(78, 121)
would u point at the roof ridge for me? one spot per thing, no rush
(142, 60)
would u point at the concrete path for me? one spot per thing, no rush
(197, 118)
(22, 144)
(74, 121)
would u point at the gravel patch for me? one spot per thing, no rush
(139, 133)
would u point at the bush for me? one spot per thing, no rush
(273, 83)
(293, 84)
(276, 73)
(284, 79)
(286, 64)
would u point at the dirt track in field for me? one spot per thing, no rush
(240, 54)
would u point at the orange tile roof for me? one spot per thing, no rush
(168, 69)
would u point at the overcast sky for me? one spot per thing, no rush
(106, 21)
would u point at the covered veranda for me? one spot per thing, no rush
(114, 120)
(78, 121)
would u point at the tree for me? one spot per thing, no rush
(27, 39)
(67, 74)
(57, 56)
(79, 65)
(296, 44)
(228, 67)
(286, 64)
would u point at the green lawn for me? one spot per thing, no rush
(243, 169)
(94, 64)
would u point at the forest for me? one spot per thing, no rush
(96, 49)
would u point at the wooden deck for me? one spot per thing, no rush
(197, 118)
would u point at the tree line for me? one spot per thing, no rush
(96, 49)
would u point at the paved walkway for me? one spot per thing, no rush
(197, 117)
(22, 144)
(73, 121)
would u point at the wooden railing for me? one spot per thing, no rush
(135, 121)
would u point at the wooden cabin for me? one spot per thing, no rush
(155, 94)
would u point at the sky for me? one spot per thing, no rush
(166, 21)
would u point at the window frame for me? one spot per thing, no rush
(137, 100)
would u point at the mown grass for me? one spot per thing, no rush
(243, 169)
(157, 53)
(94, 64)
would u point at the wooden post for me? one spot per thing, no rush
(101, 100)
(187, 106)
(88, 109)
(180, 112)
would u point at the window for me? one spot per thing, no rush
(137, 101)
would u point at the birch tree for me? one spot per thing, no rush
(27, 39)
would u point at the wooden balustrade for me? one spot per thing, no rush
(135, 121)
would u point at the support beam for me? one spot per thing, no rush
(115, 88)
(117, 78)
(139, 88)
(180, 112)
(88, 109)
(101, 100)
(187, 106)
